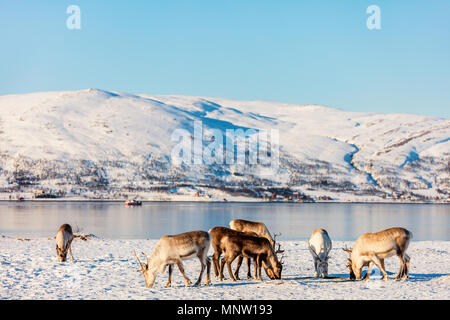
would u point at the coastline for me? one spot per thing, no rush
(250, 200)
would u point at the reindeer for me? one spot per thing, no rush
(373, 248)
(64, 238)
(250, 226)
(218, 234)
(172, 249)
(257, 248)
(320, 246)
(257, 228)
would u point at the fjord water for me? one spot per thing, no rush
(296, 221)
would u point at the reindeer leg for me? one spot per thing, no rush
(208, 271)
(378, 264)
(230, 272)
(316, 273)
(66, 248)
(222, 264)
(249, 270)
(369, 270)
(203, 264)
(216, 268)
(258, 263)
(169, 280)
(402, 267)
(382, 263)
(180, 266)
(238, 266)
(406, 267)
(70, 250)
(215, 259)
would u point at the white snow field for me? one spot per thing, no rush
(99, 144)
(106, 269)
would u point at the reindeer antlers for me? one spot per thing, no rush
(346, 249)
(279, 249)
(275, 235)
(143, 265)
(146, 258)
(140, 263)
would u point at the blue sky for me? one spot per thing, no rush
(296, 51)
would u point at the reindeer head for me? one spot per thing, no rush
(322, 267)
(269, 270)
(149, 276)
(350, 265)
(61, 254)
(279, 268)
(322, 264)
(279, 262)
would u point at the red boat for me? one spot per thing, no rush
(133, 203)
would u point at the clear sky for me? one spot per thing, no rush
(315, 51)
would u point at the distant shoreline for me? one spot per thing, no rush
(228, 201)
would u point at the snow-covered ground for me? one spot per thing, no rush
(106, 269)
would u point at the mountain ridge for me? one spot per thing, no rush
(100, 144)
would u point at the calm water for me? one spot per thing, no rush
(153, 220)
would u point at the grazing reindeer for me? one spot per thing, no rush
(320, 246)
(373, 248)
(250, 226)
(257, 228)
(218, 234)
(256, 248)
(64, 238)
(172, 249)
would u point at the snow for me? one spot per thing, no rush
(106, 269)
(125, 139)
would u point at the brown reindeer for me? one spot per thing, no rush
(373, 248)
(257, 228)
(251, 226)
(64, 238)
(217, 234)
(234, 244)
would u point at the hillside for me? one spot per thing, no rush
(98, 144)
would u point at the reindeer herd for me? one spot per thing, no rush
(253, 241)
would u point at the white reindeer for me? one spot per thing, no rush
(172, 249)
(320, 246)
(64, 238)
(373, 248)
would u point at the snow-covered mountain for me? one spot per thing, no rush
(103, 144)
